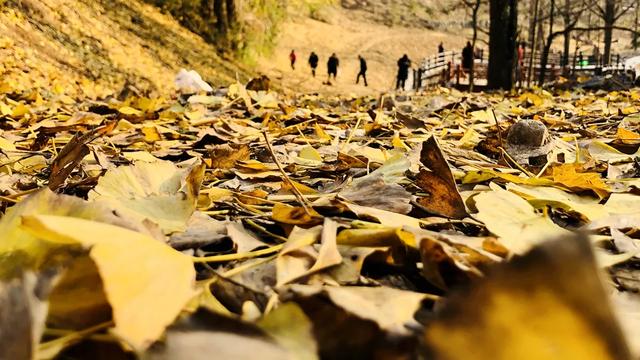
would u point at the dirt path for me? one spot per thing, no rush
(349, 37)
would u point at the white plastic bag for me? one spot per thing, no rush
(190, 82)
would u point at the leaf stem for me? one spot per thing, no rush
(294, 189)
(239, 256)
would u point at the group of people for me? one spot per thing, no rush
(404, 64)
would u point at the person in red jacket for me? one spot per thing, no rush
(292, 59)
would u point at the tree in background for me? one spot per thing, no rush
(502, 43)
(211, 19)
(610, 12)
(474, 6)
(570, 15)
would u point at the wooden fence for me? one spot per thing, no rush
(446, 68)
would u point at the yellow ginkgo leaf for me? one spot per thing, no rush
(567, 175)
(485, 116)
(544, 196)
(19, 111)
(6, 145)
(548, 304)
(309, 153)
(624, 134)
(629, 110)
(127, 110)
(146, 282)
(158, 191)
(514, 220)
(320, 133)
(470, 139)
(5, 109)
(151, 133)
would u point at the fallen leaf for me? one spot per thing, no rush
(292, 215)
(519, 312)
(23, 310)
(160, 192)
(444, 198)
(203, 334)
(567, 175)
(391, 309)
(292, 329)
(159, 280)
(514, 220)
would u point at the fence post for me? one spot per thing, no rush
(458, 69)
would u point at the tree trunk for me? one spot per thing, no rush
(533, 21)
(533, 41)
(502, 43)
(635, 27)
(206, 8)
(231, 12)
(609, 20)
(474, 21)
(221, 19)
(567, 35)
(547, 46)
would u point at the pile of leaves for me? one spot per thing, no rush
(243, 223)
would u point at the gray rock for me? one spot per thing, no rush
(405, 108)
(529, 133)
(529, 143)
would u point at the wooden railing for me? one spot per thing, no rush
(445, 67)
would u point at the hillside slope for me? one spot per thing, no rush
(96, 46)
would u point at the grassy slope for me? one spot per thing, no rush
(95, 46)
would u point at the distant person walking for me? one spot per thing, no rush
(332, 67)
(292, 59)
(440, 48)
(363, 70)
(313, 63)
(520, 64)
(404, 63)
(467, 56)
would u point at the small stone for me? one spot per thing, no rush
(388, 103)
(405, 108)
(261, 83)
(528, 133)
(529, 143)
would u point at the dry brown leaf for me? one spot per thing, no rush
(292, 215)
(444, 198)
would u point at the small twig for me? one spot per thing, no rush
(17, 160)
(4, 198)
(544, 168)
(515, 163)
(285, 177)
(265, 231)
(72, 337)
(498, 128)
(239, 269)
(450, 112)
(303, 137)
(239, 256)
(239, 194)
(354, 130)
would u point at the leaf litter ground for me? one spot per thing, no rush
(244, 222)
